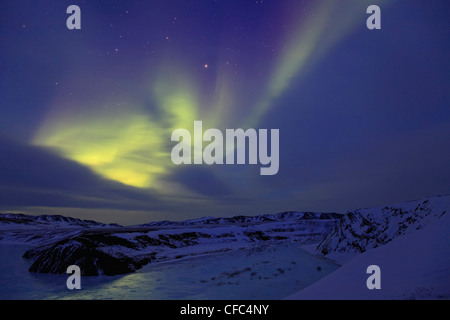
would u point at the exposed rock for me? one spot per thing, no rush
(85, 252)
(359, 231)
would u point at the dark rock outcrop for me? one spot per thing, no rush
(86, 252)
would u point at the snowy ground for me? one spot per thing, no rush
(415, 266)
(271, 271)
(234, 258)
(265, 257)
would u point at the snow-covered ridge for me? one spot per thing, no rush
(412, 250)
(362, 230)
(36, 230)
(17, 220)
(111, 249)
(282, 216)
(127, 249)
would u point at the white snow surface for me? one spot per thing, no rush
(408, 241)
(413, 266)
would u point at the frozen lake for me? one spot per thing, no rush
(264, 272)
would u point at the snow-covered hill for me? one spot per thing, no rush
(414, 266)
(410, 242)
(111, 249)
(34, 230)
(18, 220)
(282, 216)
(362, 230)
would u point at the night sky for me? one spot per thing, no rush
(86, 115)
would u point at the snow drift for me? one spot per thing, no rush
(408, 241)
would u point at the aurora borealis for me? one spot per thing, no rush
(363, 114)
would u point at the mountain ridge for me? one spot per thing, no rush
(365, 229)
(96, 246)
(49, 220)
